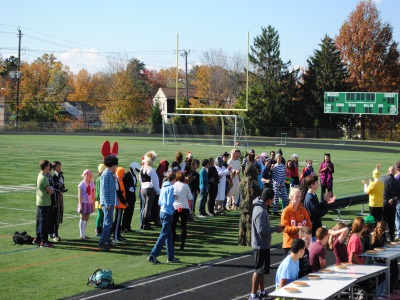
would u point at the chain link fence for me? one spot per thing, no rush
(292, 132)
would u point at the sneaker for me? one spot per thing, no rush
(264, 296)
(254, 298)
(202, 216)
(46, 245)
(153, 260)
(174, 260)
(57, 239)
(121, 239)
(103, 247)
(36, 242)
(211, 215)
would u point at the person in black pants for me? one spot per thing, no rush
(391, 193)
(130, 182)
(213, 180)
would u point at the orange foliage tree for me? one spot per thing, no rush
(370, 54)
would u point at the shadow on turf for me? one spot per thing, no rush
(202, 235)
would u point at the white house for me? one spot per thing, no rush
(167, 96)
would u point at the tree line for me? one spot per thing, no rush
(363, 57)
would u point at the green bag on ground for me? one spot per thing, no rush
(101, 279)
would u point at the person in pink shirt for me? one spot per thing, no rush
(354, 243)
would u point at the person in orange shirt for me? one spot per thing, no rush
(122, 204)
(294, 216)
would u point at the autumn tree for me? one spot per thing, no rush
(369, 52)
(325, 73)
(219, 79)
(128, 94)
(44, 86)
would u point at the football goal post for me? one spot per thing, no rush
(223, 130)
(283, 139)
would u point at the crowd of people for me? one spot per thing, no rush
(260, 186)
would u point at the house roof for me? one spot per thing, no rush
(170, 93)
(73, 111)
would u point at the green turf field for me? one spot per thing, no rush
(62, 271)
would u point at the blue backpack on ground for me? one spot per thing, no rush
(101, 279)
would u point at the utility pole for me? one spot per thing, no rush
(185, 54)
(18, 77)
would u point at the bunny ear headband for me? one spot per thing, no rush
(106, 149)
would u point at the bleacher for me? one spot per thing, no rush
(348, 201)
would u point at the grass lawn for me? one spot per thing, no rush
(62, 271)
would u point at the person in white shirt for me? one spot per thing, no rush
(233, 193)
(150, 187)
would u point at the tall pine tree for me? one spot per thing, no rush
(326, 73)
(269, 100)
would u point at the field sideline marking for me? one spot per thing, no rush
(30, 210)
(33, 222)
(176, 274)
(46, 262)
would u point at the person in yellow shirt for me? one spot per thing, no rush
(375, 191)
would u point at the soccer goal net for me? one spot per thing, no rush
(225, 130)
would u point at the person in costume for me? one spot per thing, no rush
(326, 170)
(59, 190)
(130, 182)
(150, 187)
(223, 172)
(119, 208)
(375, 192)
(100, 214)
(233, 193)
(86, 199)
(249, 190)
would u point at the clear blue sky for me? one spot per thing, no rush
(83, 33)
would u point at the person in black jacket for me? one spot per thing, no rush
(391, 193)
(213, 180)
(130, 182)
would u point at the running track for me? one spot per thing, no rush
(227, 278)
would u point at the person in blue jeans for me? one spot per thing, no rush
(166, 200)
(108, 197)
(203, 187)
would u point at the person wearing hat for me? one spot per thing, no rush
(391, 200)
(375, 191)
(248, 159)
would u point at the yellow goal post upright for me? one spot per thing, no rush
(209, 109)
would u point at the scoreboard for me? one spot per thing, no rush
(361, 103)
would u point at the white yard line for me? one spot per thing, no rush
(178, 273)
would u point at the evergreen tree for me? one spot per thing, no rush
(326, 73)
(270, 79)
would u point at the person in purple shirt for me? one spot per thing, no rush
(318, 251)
(326, 171)
(397, 221)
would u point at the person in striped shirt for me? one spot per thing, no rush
(278, 184)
